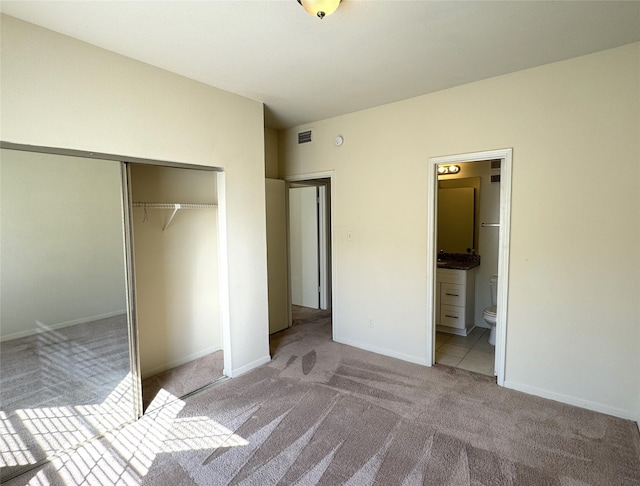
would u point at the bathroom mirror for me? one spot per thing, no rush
(65, 353)
(458, 214)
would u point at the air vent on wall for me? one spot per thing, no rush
(304, 137)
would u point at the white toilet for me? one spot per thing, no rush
(489, 314)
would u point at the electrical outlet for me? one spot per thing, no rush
(371, 322)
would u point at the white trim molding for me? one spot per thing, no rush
(570, 400)
(506, 160)
(234, 373)
(310, 176)
(178, 362)
(223, 275)
(383, 351)
(42, 327)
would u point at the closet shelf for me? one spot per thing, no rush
(174, 206)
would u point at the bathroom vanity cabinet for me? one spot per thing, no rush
(455, 300)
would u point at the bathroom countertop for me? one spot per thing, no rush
(458, 261)
(457, 265)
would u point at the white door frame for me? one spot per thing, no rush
(323, 237)
(223, 276)
(505, 156)
(323, 251)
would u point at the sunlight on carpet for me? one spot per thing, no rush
(125, 456)
(13, 450)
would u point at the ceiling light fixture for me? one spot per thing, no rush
(320, 8)
(448, 169)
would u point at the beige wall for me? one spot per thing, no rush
(573, 331)
(60, 92)
(271, 153)
(277, 255)
(62, 258)
(176, 269)
(277, 248)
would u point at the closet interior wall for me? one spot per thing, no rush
(176, 266)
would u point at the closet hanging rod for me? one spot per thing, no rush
(488, 225)
(174, 206)
(150, 205)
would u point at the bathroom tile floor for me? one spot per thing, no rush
(472, 352)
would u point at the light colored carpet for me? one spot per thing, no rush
(184, 379)
(75, 365)
(61, 387)
(328, 414)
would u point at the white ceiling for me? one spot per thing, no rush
(368, 53)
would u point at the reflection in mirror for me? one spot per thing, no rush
(64, 333)
(458, 214)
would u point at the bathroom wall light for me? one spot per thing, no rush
(320, 8)
(448, 169)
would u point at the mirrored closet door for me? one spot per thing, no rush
(65, 361)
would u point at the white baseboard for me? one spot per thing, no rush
(53, 327)
(178, 362)
(235, 372)
(570, 400)
(384, 351)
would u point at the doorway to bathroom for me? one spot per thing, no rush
(481, 253)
